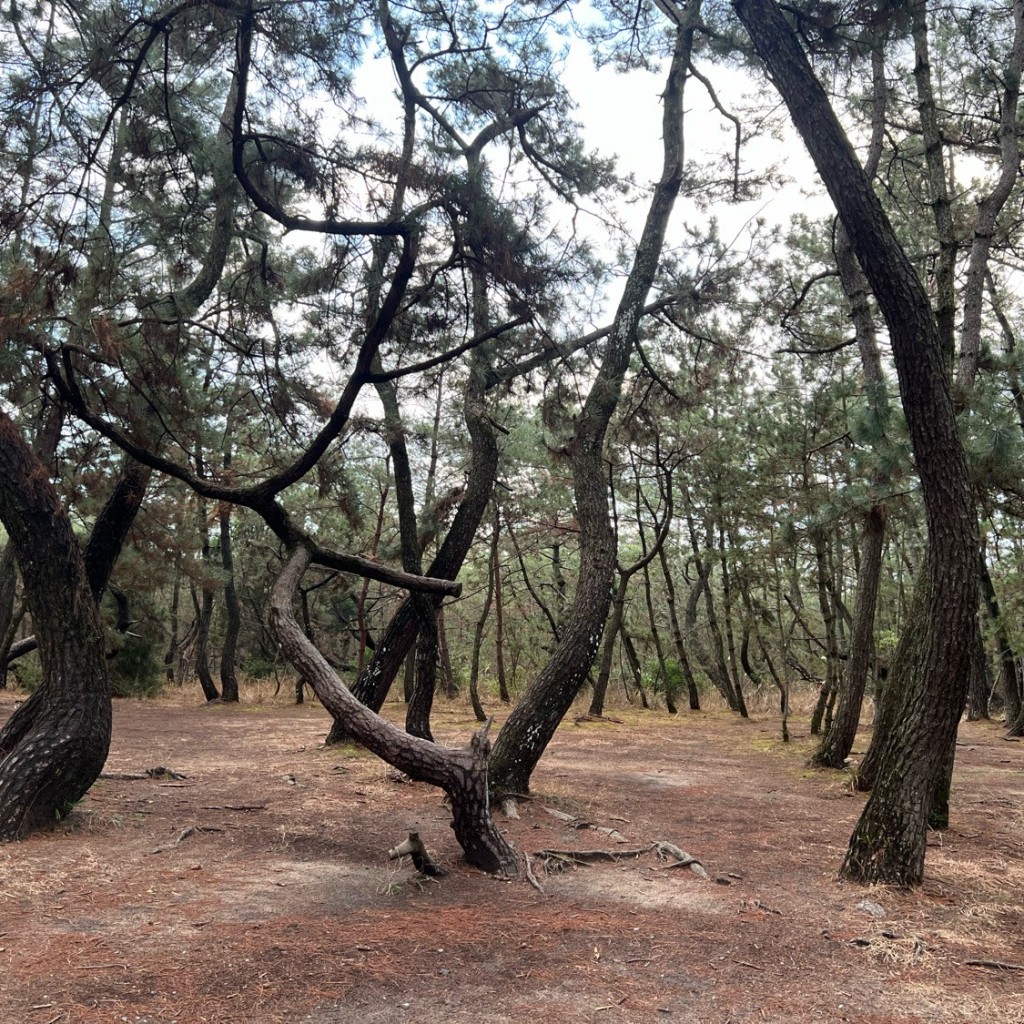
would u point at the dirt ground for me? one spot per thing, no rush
(257, 888)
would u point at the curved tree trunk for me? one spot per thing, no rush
(53, 748)
(888, 844)
(535, 718)
(204, 617)
(460, 772)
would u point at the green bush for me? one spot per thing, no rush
(135, 670)
(26, 673)
(669, 682)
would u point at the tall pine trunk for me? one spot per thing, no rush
(535, 718)
(888, 844)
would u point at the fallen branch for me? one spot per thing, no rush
(150, 773)
(580, 824)
(233, 807)
(592, 856)
(530, 876)
(679, 858)
(995, 965)
(421, 859)
(185, 833)
(562, 859)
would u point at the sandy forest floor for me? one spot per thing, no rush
(257, 887)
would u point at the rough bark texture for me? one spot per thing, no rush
(53, 747)
(417, 715)
(839, 740)
(460, 772)
(888, 844)
(533, 721)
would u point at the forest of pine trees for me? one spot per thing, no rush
(403, 391)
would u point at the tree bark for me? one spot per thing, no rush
(460, 772)
(53, 747)
(888, 844)
(534, 720)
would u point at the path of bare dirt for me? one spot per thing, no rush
(256, 889)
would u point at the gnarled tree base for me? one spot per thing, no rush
(460, 772)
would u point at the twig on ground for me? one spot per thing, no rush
(150, 773)
(233, 807)
(743, 963)
(530, 876)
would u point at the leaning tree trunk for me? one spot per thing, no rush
(611, 635)
(535, 718)
(374, 682)
(460, 772)
(888, 844)
(838, 742)
(53, 748)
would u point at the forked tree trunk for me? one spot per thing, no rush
(461, 772)
(53, 747)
